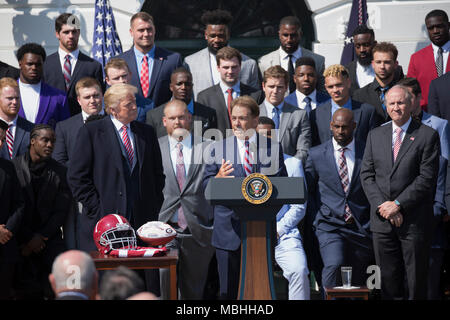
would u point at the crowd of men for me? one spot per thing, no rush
(371, 144)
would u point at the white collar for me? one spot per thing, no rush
(186, 142)
(74, 54)
(445, 47)
(251, 140)
(118, 124)
(271, 106)
(14, 122)
(350, 147)
(301, 96)
(404, 127)
(297, 53)
(224, 87)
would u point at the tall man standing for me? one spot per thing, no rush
(18, 133)
(399, 174)
(432, 61)
(202, 64)
(150, 66)
(290, 34)
(64, 68)
(117, 168)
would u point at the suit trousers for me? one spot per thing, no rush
(434, 274)
(192, 268)
(228, 266)
(291, 258)
(403, 255)
(341, 249)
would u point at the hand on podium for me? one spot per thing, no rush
(225, 169)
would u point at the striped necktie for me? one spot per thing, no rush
(343, 174)
(67, 71)
(440, 62)
(247, 159)
(10, 140)
(181, 179)
(128, 147)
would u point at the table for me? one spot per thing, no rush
(106, 262)
(361, 292)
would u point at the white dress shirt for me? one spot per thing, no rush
(236, 90)
(118, 125)
(445, 51)
(73, 58)
(187, 152)
(364, 74)
(284, 57)
(404, 128)
(300, 97)
(349, 157)
(13, 127)
(84, 115)
(29, 96)
(241, 149)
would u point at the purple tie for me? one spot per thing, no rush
(343, 174)
(181, 178)
(67, 71)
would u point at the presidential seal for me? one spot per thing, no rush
(256, 188)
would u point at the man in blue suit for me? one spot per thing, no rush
(150, 66)
(340, 208)
(18, 133)
(65, 67)
(306, 96)
(227, 158)
(337, 84)
(41, 103)
(439, 240)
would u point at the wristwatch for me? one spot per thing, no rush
(396, 202)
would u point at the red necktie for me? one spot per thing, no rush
(10, 140)
(229, 100)
(144, 77)
(128, 146)
(181, 178)
(247, 159)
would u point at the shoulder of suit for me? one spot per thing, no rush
(268, 56)
(65, 123)
(52, 90)
(422, 51)
(206, 91)
(86, 58)
(164, 53)
(442, 80)
(196, 55)
(312, 54)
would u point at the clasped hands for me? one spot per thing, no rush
(390, 211)
(5, 234)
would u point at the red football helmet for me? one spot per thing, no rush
(114, 232)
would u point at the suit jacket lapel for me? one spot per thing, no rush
(407, 142)
(157, 64)
(20, 133)
(285, 115)
(44, 101)
(110, 138)
(78, 69)
(330, 162)
(359, 153)
(139, 143)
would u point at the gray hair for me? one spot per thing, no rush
(408, 94)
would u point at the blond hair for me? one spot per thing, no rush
(116, 93)
(336, 70)
(8, 82)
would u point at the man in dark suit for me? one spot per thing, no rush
(306, 96)
(150, 65)
(117, 71)
(220, 96)
(8, 71)
(291, 123)
(90, 98)
(341, 211)
(432, 61)
(47, 197)
(41, 103)
(117, 168)
(62, 272)
(181, 86)
(11, 217)
(64, 68)
(18, 133)
(360, 70)
(185, 206)
(439, 97)
(337, 84)
(384, 64)
(399, 174)
(227, 158)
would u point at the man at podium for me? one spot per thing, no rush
(243, 153)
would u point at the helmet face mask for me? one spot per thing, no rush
(114, 232)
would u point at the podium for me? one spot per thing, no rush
(258, 229)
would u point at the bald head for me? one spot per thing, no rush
(343, 125)
(177, 119)
(74, 270)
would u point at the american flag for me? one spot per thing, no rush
(358, 16)
(106, 42)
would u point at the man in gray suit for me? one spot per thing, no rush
(294, 132)
(185, 207)
(202, 64)
(290, 34)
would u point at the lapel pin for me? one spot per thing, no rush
(412, 138)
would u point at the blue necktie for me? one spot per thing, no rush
(383, 91)
(308, 108)
(276, 117)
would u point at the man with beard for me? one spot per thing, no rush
(384, 64)
(290, 34)
(432, 61)
(361, 70)
(202, 64)
(47, 200)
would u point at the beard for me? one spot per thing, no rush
(365, 61)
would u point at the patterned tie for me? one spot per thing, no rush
(440, 62)
(229, 100)
(398, 142)
(144, 77)
(308, 107)
(181, 178)
(67, 71)
(128, 146)
(291, 74)
(343, 174)
(10, 140)
(247, 159)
